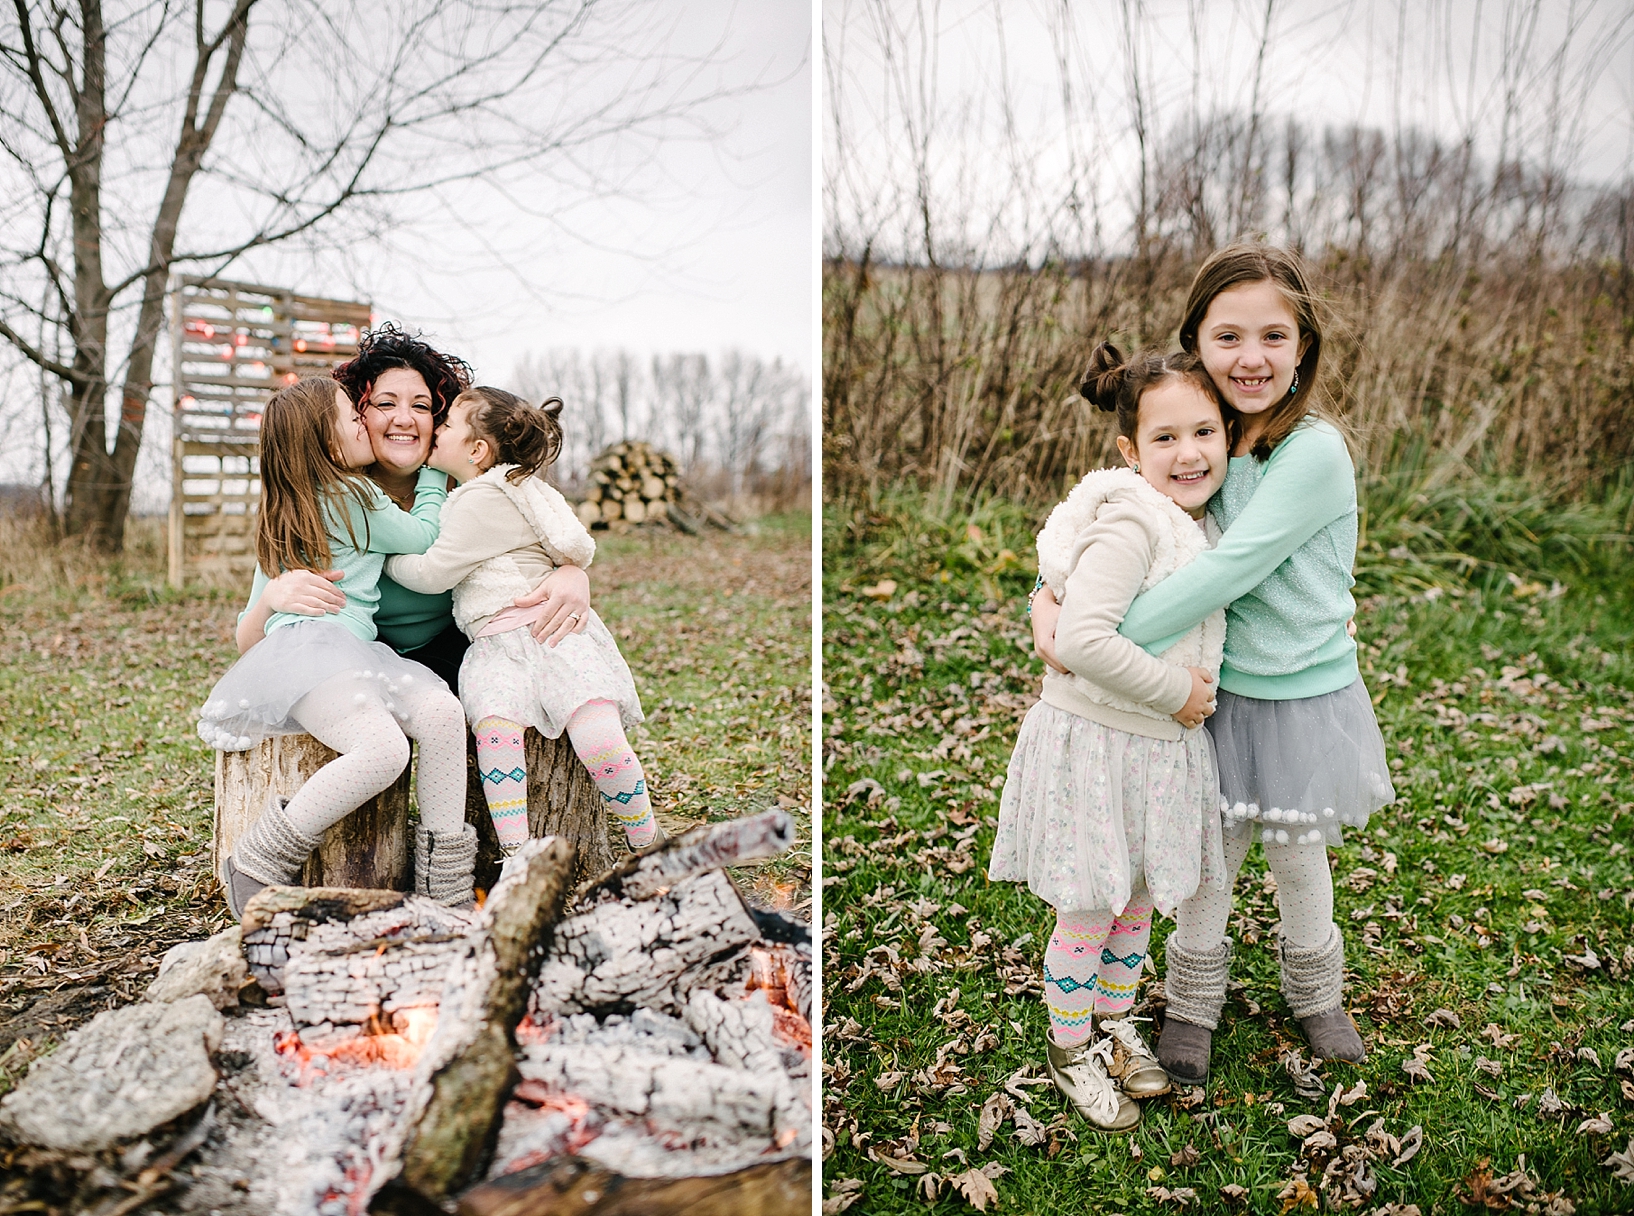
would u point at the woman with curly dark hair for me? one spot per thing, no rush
(403, 387)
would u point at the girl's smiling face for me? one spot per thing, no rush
(399, 419)
(1249, 343)
(1180, 444)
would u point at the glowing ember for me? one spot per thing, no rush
(768, 973)
(397, 1047)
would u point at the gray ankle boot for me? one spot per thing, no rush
(1313, 981)
(272, 852)
(1194, 984)
(444, 863)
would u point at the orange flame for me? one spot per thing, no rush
(768, 973)
(396, 1047)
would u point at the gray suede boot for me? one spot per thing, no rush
(1194, 984)
(444, 863)
(272, 852)
(1313, 981)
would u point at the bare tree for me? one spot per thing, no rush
(277, 120)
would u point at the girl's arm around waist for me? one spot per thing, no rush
(475, 527)
(1115, 560)
(1308, 483)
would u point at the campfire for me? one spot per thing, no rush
(651, 1031)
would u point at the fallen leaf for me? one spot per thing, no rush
(1491, 1067)
(930, 1187)
(1444, 1017)
(1627, 1087)
(900, 1165)
(1549, 1103)
(1410, 1144)
(976, 1187)
(1298, 1194)
(1029, 1130)
(1234, 1194)
(994, 1112)
(1599, 1125)
(1625, 1060)
(1500, 1040)
(842, 1195)
(882, 590)
(1182, 1197)
(1415, 1065)
(1301, 1126)
(1622, 1164)
(1186, 1157)
(1591, 1055)
(889, 1080)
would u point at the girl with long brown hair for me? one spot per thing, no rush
(327, 675)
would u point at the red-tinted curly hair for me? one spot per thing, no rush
(388, 346)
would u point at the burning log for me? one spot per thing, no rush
(469, 1065)
(782, 1188)
(706, 848)
(368, 849)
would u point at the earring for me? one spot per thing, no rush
(1294, 387)
(1134, 466)
(470, 460)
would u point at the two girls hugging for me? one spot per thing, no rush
(1209, 580)
(359, 539)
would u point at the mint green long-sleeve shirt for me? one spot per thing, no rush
(1282, 571)
(382, 529)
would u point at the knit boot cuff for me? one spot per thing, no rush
(1194, 982)
(273, 850)
(444, 863)
(1313, 977)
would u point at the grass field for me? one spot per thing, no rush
(1488, 914)
(106, 792)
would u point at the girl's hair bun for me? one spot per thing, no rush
(1104, 377)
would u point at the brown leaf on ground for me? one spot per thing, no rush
(1186, 1157)
(1444, 1017)
(1410, 1144)
(1233, 1194)
(976, 1187)
(1622, 1164)
(1415, 1066)
(1500, 1040)
(842, 1195)
(1298, 1194)
(995, 1111)
(897, 1160)
(1599, 1125)
(1183, 1197)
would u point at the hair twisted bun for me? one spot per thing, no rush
(1104, 377)
(528, 436)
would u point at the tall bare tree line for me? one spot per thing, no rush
(1481, 291)
(147, 135)
(738, 424)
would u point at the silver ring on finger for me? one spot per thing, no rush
(573, 616)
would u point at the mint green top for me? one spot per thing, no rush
(1281, 571)
(406, 619)
(381, 529)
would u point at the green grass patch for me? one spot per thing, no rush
(1488, 914)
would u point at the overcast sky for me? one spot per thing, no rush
(1482, 68)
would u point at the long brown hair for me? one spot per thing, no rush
(528, 436)
(301, 475)
(1243, 264)
(1115, 384)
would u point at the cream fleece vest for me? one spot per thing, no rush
(1179, 539)
(493, 585)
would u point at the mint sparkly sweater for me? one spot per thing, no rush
(1281, 571)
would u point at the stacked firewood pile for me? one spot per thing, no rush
(635, 483)
(640, 1044)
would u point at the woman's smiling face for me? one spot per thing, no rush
(399, 419)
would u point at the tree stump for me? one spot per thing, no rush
(371, 847)
(562, 801)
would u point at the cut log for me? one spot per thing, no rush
(633, 483)
(562, 801)
(469, 1066)
(704, 848)
(780, 1188)
(367, 849)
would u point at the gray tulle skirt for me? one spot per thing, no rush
(1300, 769)
(254, 699)
(1088, 811)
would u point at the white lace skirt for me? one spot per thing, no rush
(253, 700)
(509, 675)
(1086, 809)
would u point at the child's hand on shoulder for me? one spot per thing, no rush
(1201, 702)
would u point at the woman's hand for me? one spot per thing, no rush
(306, 592)
(565, 593)
(1201, 702)
(1046, 612)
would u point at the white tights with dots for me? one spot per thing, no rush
(1304, 895)
(373, 743)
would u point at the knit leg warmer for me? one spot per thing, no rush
(273, 850)
(444, 863)
(1194, 982)
(1313, 978)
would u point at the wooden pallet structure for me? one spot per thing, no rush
(233, 344)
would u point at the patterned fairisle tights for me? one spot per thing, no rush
(1092, 965)
(502, 767)
(598, 738)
